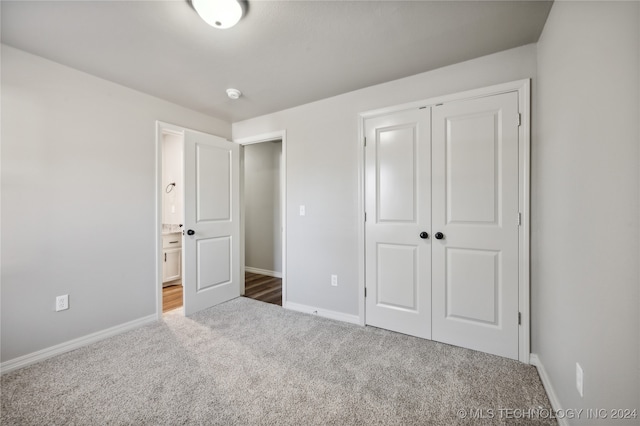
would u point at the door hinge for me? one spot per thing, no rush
(365, 216)
(519, 119)
(519, 318)
(519, 221)
(365, 292)
(365, 141)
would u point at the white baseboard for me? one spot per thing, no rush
(353, 319)
(266, 272)
(546, 383)
(61, 348)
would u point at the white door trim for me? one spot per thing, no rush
(523, 87)
(250, 140)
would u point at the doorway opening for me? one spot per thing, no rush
(211, 243)
(172, 193)
(263, 223)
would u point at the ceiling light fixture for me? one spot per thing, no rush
(219, 13)
(233, 93)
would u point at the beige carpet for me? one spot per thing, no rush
(251, 363)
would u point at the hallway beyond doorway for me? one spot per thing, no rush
(263, 288)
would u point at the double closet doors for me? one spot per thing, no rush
(442, 217)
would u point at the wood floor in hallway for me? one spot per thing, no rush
(259, 287)
(263, 288)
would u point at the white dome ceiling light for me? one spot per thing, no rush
(219, 13)
(234, 93)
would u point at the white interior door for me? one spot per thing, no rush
(211, 222)
(398, 209)
(475, 207)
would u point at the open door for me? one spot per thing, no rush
(212, 221)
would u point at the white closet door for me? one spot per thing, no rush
(212, 221)
(398, 275)
(475, 207)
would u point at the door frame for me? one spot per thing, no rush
(523, 88)
(250, 140)
(164, 127)
(161, 128)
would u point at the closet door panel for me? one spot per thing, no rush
(475, 207)
(398, 194)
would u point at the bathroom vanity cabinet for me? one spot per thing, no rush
(172, 257)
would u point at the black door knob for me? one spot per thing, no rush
(424, 235)
(439, 235)
(191, 232)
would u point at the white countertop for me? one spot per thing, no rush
(168, 228)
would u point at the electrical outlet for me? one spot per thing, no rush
(334, 280)
(302, 211)
(579, 379)
(62, 302)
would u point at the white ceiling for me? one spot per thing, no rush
(281, 54)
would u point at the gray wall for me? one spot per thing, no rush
(78, 201)
(585, 230)
(322, 170)
(263, 237)
(172, 161)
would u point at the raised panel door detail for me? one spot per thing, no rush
(213, 262)
(213, 180)
(211, 251)
(472, 285)
(472, 168)
(398, 203)
(397, 284)
(396, 177)
(475, 200)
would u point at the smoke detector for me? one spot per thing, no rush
(233, 93)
